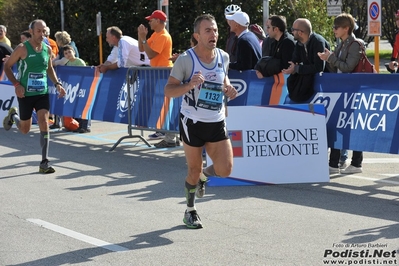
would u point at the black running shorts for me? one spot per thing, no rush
(197, 134)
(37, 102)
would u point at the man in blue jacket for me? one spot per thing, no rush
(248, 50)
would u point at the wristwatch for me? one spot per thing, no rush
(145, 41)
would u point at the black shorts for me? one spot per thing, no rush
(197, 134)
(27, 104)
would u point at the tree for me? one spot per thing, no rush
(80, 18)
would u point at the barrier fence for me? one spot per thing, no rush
(148, 108)
(361, 109)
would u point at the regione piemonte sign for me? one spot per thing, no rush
(277, 144)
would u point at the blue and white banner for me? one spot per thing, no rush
(361, 109)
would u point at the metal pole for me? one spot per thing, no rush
(265, 13)
(99, 34)
(167, 14)
(62, 14)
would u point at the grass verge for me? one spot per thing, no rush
(384, 54)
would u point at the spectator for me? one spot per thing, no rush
(32, 90)
(393, 65)
(69, 53)
(283, 44)
(125, 51)
(248, 50)
(3, 37)
(231, 41)
(259, 32)
(5, 50)
(266, 46)
(63, 38)
(159, 49)
(202, 126)
(52, 43)
(344, 60)
(305, 60)
(25, 35)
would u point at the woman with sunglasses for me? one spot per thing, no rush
(344, 59)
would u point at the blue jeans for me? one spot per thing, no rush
(344, 155)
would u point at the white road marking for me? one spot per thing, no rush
(377, 180)
(78, 236)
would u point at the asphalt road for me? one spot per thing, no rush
(126, 207)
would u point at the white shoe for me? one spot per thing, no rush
(333, 170)
(352, 170)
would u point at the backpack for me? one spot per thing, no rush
(364, 65)
(70, 123)
(300, 87)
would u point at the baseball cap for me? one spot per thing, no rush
(241, 18)
(158, 14)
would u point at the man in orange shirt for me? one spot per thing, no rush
(53, 44)
(159, 50)
(159, 46)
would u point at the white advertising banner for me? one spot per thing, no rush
(7, 100)
(277, 145)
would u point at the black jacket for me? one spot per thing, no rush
(308, 60)
(283, 49)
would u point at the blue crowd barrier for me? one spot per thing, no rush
(361, 109)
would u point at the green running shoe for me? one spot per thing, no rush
(8, 121)
(45, 168)
(192, 220)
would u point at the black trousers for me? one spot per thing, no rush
(357, 158)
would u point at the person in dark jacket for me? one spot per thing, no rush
(282, 43)
(305, 59)
(248, 50)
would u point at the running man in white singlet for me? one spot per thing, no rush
(199, 75)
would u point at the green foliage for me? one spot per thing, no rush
(80, 18)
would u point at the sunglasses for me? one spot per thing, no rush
(335, 27)
(293, 29)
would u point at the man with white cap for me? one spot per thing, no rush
(231, 41)
(248, 51)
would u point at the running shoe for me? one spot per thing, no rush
(8, 121)
(192, 220)
(200, 191)
(157, 135)
(45, 168)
